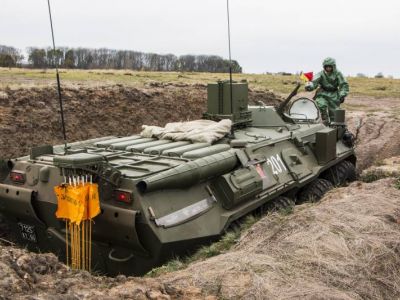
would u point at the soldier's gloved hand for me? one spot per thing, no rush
(309, 86)
(342, 99)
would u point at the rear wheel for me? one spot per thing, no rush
(314, 191)
(341, 173)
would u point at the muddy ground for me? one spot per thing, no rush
(345, 247)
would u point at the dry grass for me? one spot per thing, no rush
(217, 248)
(371, 87)
(346, 247)
(389, 167)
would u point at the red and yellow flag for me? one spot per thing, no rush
(307, 76)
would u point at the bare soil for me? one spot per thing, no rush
(376, 124)
(345, 247)
(30, 116)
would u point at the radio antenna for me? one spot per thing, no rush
(58, 80)
(230, 60)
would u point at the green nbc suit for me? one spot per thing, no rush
(331, 89)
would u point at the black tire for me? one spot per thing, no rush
(314, 191)
(340, 174)
(4, 228)
(281, 203)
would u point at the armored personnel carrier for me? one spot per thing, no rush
(161, 198)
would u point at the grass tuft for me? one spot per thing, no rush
(286, 211)
(397, 183)
(371, 176)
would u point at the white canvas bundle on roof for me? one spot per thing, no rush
(199, 131)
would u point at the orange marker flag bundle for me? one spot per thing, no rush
(78, 204)
(306, 77)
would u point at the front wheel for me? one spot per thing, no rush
(341, 173)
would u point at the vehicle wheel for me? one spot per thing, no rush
(341, 173)
(235, 226)
(314, 191)
(281, 204)
(4, 228)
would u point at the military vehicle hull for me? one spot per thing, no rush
(175, 199)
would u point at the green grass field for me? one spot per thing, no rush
(14, 77)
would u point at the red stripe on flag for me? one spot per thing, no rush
(309, 75)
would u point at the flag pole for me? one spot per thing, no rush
(230, 61)
(58, 80)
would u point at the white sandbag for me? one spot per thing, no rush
(199, 131)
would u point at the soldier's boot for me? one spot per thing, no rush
(325, 117)
(332, 107)
(323, 108)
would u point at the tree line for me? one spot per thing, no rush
(103, 58)
(10, 57)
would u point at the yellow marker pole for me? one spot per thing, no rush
(66, 241)
(83, 246)
(72, 244)
(90, 245)
(78, 244)
(75, 248)
(87, 245)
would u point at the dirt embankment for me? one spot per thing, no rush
(30, 117)
(345, 247)
(26, 275)
(376, 123)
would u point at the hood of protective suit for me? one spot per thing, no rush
(329, 61)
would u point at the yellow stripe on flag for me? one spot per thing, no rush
(304, 78)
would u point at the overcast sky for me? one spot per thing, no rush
(283, 35)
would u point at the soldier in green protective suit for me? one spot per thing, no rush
(332, 89)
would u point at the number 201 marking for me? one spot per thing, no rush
(276, 164)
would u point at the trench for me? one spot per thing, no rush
(29, 117)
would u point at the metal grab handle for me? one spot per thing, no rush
(111, 257)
